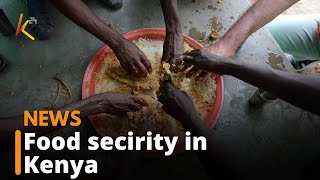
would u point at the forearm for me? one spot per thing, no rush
(216, 157)
(300, 90)
(171, 16)
(9, 125)
(79, 13)
(261, 13)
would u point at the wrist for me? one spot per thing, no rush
(79, 106)
(191, 122)
(232, 67)
(228, 67)
(174, 29)
(87, 107)
(223, 47)
(115, 40)
(232, 40)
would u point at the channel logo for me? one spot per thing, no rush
(20, 29)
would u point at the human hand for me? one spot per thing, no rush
(203, 60)
(172, 48)
(114, 103)
(220, 48)
(177, 104)
(132, 59)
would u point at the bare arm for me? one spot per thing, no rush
(173, 45)
(112, 103)
(216, 160)
(130, 57)
(261, 13)
(300, 90)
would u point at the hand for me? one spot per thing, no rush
(177, 103)
(114, 103)
(144, 126)
(219, 48)
(222, 48)
(172, 47)
(203, 60)
(132, 59)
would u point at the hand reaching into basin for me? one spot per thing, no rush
(204, 61)
(111, 103)
(132, 59)
(173, 44)
(129, 55)
(219, 48)
(304, 90)
(178, 104)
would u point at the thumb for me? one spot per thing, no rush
(188, 59)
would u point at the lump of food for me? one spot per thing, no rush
(112, 78)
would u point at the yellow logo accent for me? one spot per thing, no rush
(22, 29)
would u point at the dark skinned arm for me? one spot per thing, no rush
(216, 160)
(300, 90)
(173, 44)
(129, 55)
(111, 103)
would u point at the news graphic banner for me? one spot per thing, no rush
(25, 141)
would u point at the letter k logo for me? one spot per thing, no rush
(22, 29)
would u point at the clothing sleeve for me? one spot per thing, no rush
(297, 35)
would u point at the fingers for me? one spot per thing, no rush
(138, 67)
(213, 76)
(139, 101)
(190, 60)
(191, 72)
(194, 72)
(190, 68)
(138, 70)
(187, 59)
(164, 59)
(134, 106)
(174, 62)
(134, 71)
(197, 74)
(165, 88)
(193, 53)
(197, 65)
(206, 78)
(147, 64)
(179, 60)
(186, 69)
(142, 69)
(136, 103)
